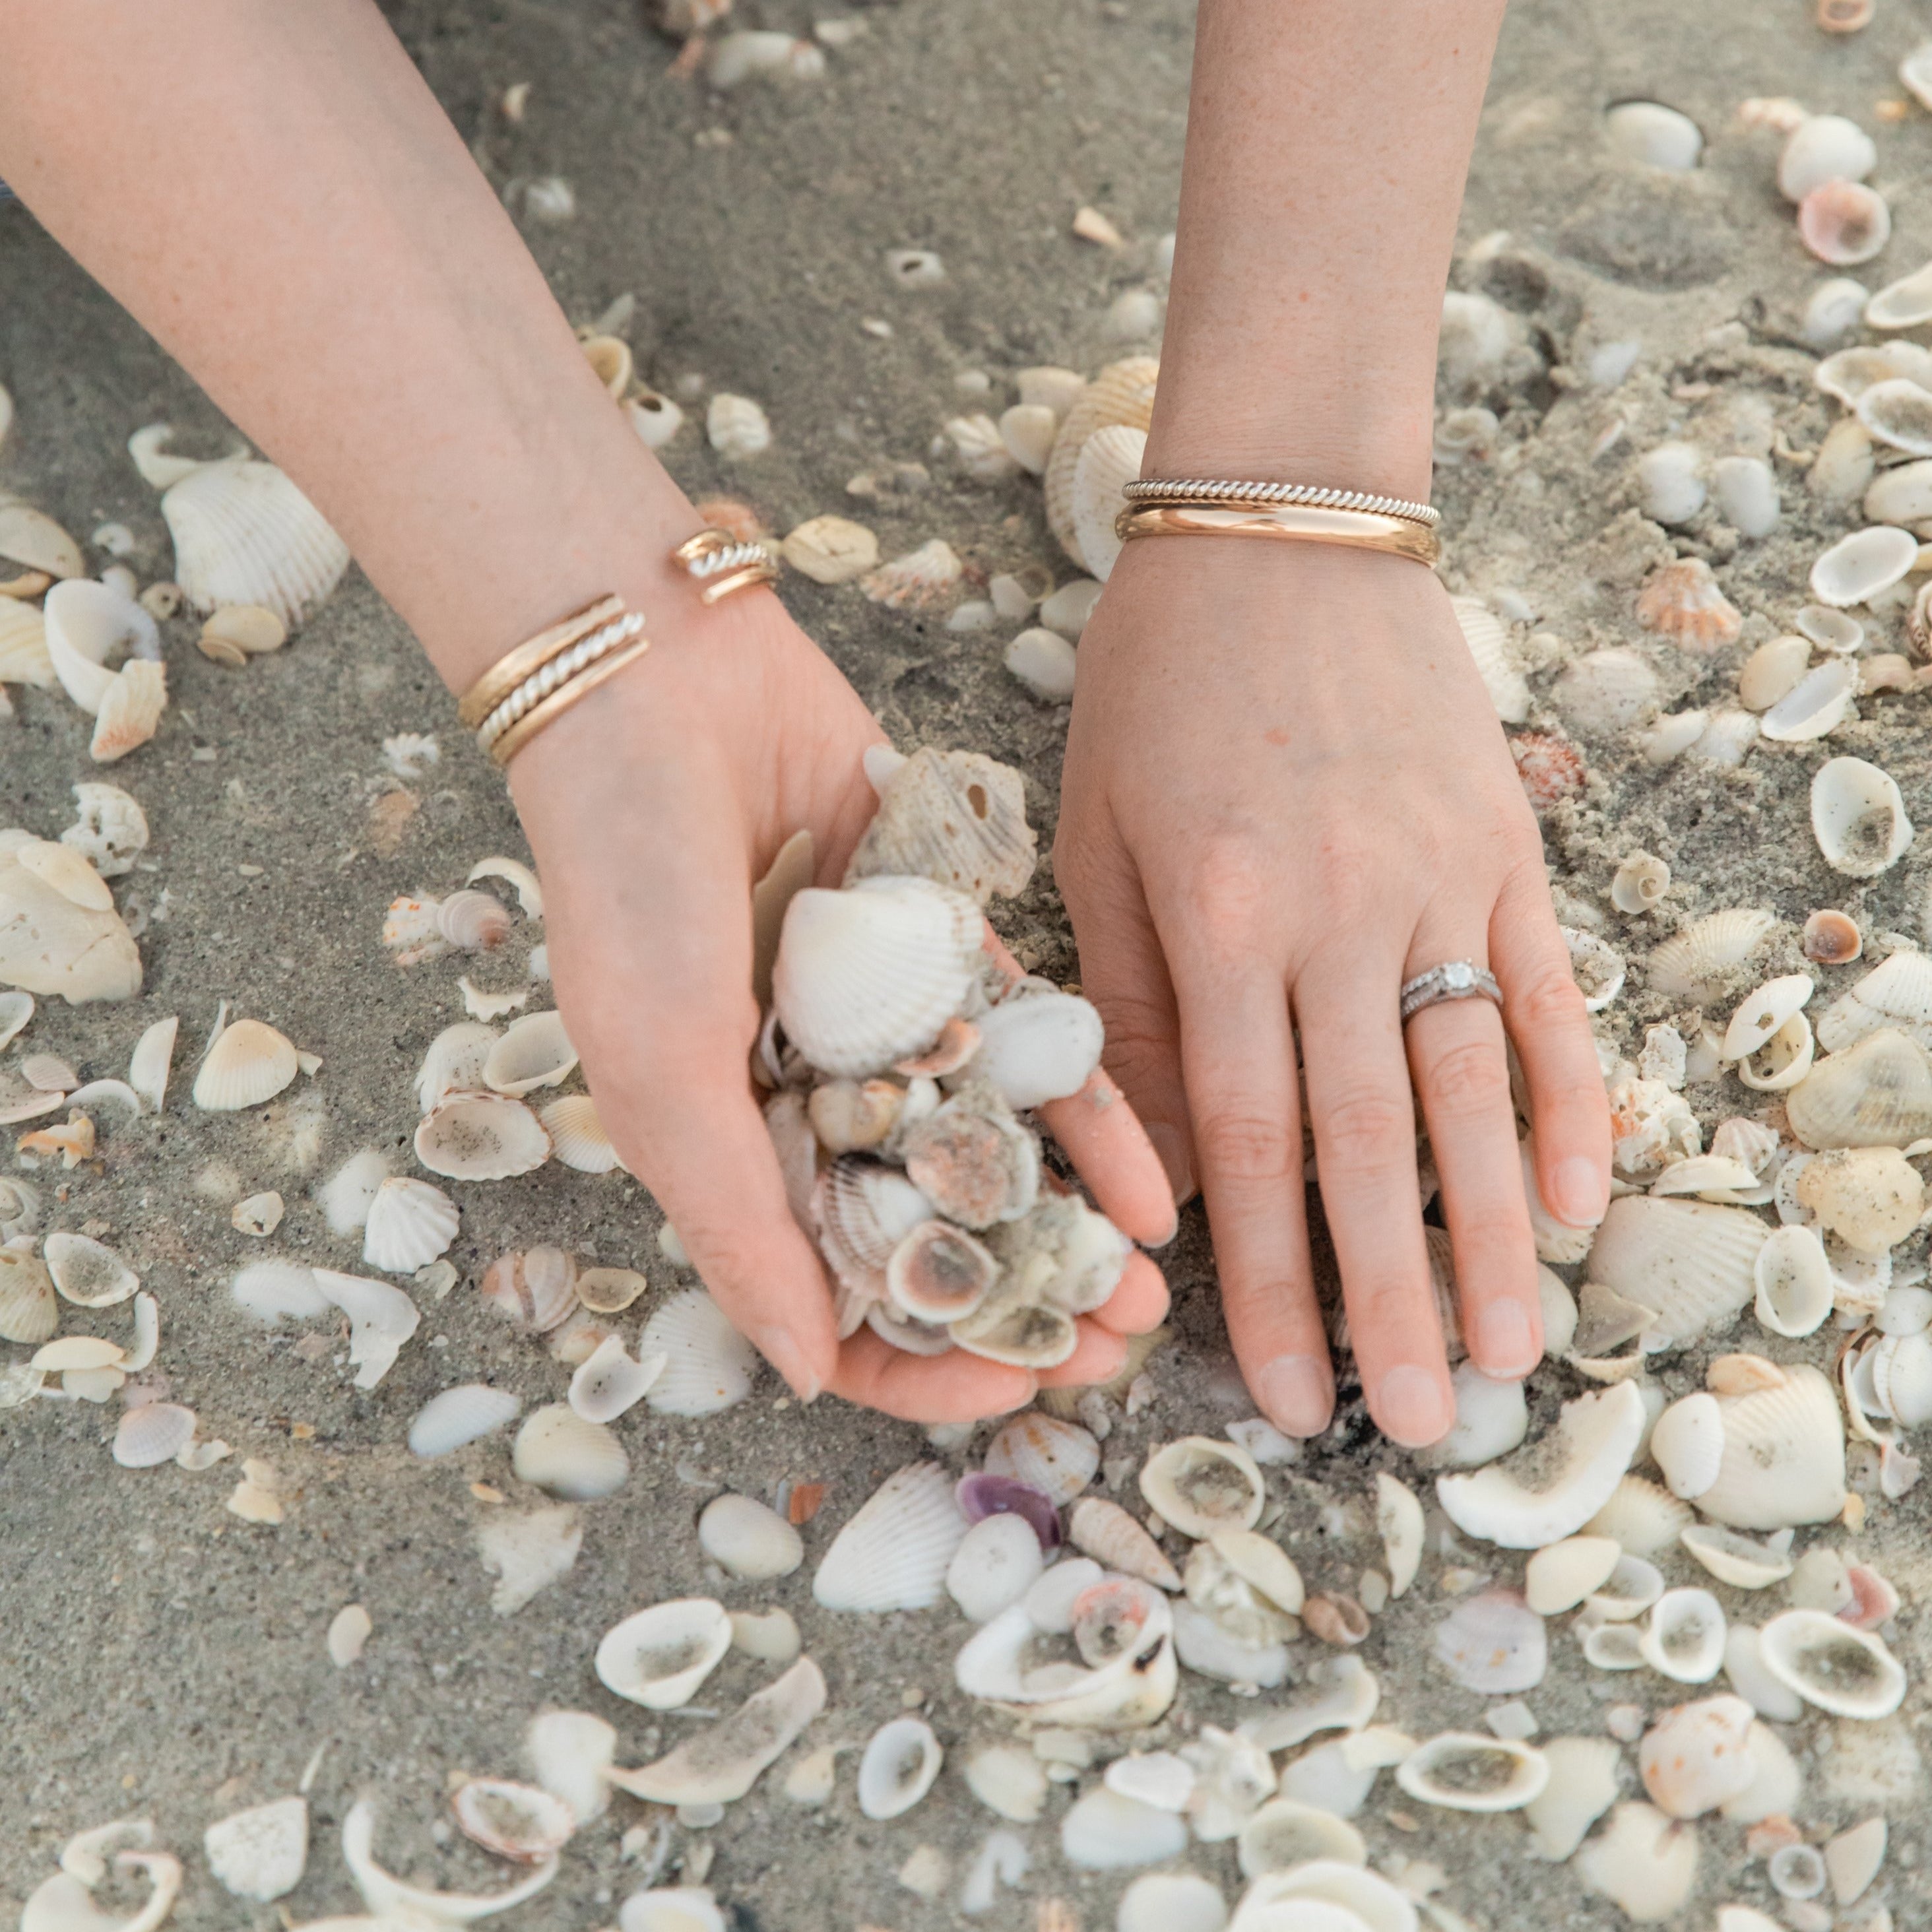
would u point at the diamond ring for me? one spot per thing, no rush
(1456, 980)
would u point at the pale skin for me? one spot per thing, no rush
(1285, 791)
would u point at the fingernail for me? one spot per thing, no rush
(1172, 1145)
(1412, 1407)
(1582, 1194)
(1294, 1391)
(1503, 1339)
(780, 1347)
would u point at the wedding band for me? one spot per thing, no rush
(1454, 980)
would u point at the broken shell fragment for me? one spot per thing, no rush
(381, 1319)
(515, 1821)
(1858, 817)
(898, 1767)
(532, 1051)
(722, 1762)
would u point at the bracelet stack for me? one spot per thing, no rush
(513, 700)
(1290, 512)
(722, 563)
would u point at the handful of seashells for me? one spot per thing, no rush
(904, 1053)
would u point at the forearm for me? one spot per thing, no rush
(273, 192)
(1327, 142)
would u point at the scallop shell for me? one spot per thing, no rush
(898, 1767)
(1556, 1484)
(535, 1287)
(1109, 460)
(1200, 1486)
(1115, 1540)
(1858, 817)
(248, 1063)
(1488, 638)
(59, 932)
(260, 1853)
(1585, 1777)
(531, 1052)
(1829, 1664)
(1897, 993)
(1869, 1198)
(1696, 1756)
(515, 1821)
(463, 1414)
(1692, 1261)
(270, 1290)
(1607, 691)
(894, 1553)
(1059, 1459)
(481, 1137)
(88, 1273)
(1464, 1770)
(659, 1656)
(1492, 1643)
(863, 1211)
(244, 534)
(748, 1539)
(1682, 600)
(410, 1223)
(710, 1366)
(1644, 1862)
(577, 1135)
(918, 580)
(1877, 1093)
(869, 976)
(556, 1450)
(1123, 393)
(1699, 958)
(722, 1762)
(155, 1432)
(23, 646)
(607, 1381)
(29, 1311)
(939, 1274)
(956, 817)
(1784, 1460)
(1038, 1044)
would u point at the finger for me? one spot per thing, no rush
(1360, 1101)
(1551, 1030)
(1139, 1304)
(1098, 1356)
(1461, 1074)
(1107, 1145)
(1238, 1055)
(952, 1388)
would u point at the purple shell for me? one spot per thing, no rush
(981, 1495)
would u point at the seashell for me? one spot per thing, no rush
(1122, 394)
(531, 1052)
(1044, 663)
(748, 1539)
(1670, 487)
(1560, 1575)
(900, 1762)
(1647, 131)
(980, 1495)
(260, 1853)
(85, 624)
(112, 830)
(1488, 638)
(557, 1450)
(1683, 601)
(1764, 1012)
(23, 646)
(148, 1066)
(1773, 671)
(87, 1273)
(463, 1414)
(515, 1821)
(577, 1135)
(410, 1223)
(939, 1273)
(1783, 1456)
(59, 932)
(1737, 1560)
(709, 1365)
(1853, 1858)
(1644, 1862)
(1870, 1198)
(1824, 148)
(1464, 1770)
(1061, 1255)
(1491, 1419)
(244, 534)
(1818, 703)
(1248, 1617)
(1008, 1780)
(997, 1561)
(28, 1310)
(1688, 1444)
(473, 921)
(1585, 1774)
(1200, 1486)
(1059, 1459)
(1858, 817)
(1696, 1756)
(918, 580)
(535, 1287)
(658, 1657)
(1125, 1624)
(852, 1116)
(1832, 1665)
(975, 1162)
(1878, 1093)
(1844, 223)
(720, 1763)
(1896, 993)
(249, 1063)
(1691, 1261)
(958, 818)
(1698, 959)
(1037, 1044)
(154, 1433)
(481, 1137)
(867, 977)
(1641, 881)
(1559, 1483)
(1683, 1637)
(607, 1381)
(1107, 1534)
(1108, 460)
(381, 1319)
(1550, 768)
(1104, 1832)
(1794, 1283)
(894, 1553)
(1796, 1871)
(1492, 1643)
(831, 550)
(1745, 489)
(270, 1290)
(1282, 1834)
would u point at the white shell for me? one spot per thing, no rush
(459, 1415)
(532, 1052)
(410, 1223)
(154, 1433)
(1876, 1093)
(244, 534)
(1045, 662)
(1399, 1523)
(59, 932)
(1690, 1261)
(1200, 1486)
(577, 1136)
(1696, 1756)
(515, 1821)
(897, 1769)
(1104, 1831)
(1683, 1637)
(269, 1290)
(1566, 1481)
(1560, 1575)
(1605, 691)
(558, 1451)
(29, 1310)
(1656, 135)
(1283, 1834)
(1832, 1664)
(1688, 1444)
(131, 710)
(1122, 393)
(249, 1063)
(87, 1272)
(1784, 1461)
(710, 1365)
(1818, 703)
(85, 624)
(1765, 1010)
(1737, 1560)
(997, 1560)
(262, 1852)
(1898, 414)
(956, 817)
(1057, 1458)
(1491, 1418)
(1857, 568)
(1037, 1044)
(607, 1381)
(748, 1539)
(720, 1763)
(1794, 1283)
(1852, 1859)
(1897, 992)
(1824, 148)
(1492, 1643)
(1644, 1862)
(1325, 1895)
(868, 976)
(659, 1656)
(1171, 1902)
(381, 1319)
(1698, 958)
(481, 1137)
(1465, 1771)
(1773, 671)
(569, 1751)
(112, 832)
(1488, 638)
(1858, 817)
(1632, 1586)
(1585, 1777)
(894, 1553)
(454, 1064)
(23, 646)
(1109, 460)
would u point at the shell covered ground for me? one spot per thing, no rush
(160, 1656)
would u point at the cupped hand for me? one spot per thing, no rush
(651, 806)
(1287, 793)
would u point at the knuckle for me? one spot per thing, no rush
(1248, 1147)
(1548, 998)
(1496, 1235)
(1366, 1129)
(1230, 888)
(1471, 1077)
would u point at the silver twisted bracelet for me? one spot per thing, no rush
(556, 674)
(1170, 490)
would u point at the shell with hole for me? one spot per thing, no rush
(1832, 1665)
(956, 817)
(1763, 1449)
(1857, 816)
(59, 932)
(1466, 1770)
(244, 534)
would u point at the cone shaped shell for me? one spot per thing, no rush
(1876, 1093)
(482, 1137)
(1122, 393)
(709, 1365)
(956, 817)
(410, 1223)
(244, 534)
(558, 1451)
(867, 977)
(249, 1063)
(894, 1553)
(660, 1657)
(1116, 1540)
(1858, 815)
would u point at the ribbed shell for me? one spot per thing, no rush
(558, 1451)
(1122, 392)
(410, 1223)
(130, 711)
(249, 1063)
(155, 1432)
(29, 1310)
(710, 1364)
(482, 1137)
(1701, 957)
(1057, 1458)
(1784, 1455)
(863, 1211)
(894, 1553)
(244, 534)
(460, 1415)
(1691, 1261)
(23, 646)
(1897, 992)
(1876, 1093)
(1115, 1539)
(973, 1160)
(956, 817)
(50, 943)
(1109, 460)
(85, 624)
(454, 1064)
(1488, 638)
(577, 1135)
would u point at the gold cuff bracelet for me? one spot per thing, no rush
(1290, 523)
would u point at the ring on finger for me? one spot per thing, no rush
(1453, 979)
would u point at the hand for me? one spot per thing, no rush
(1286, 793)
(651, 806)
